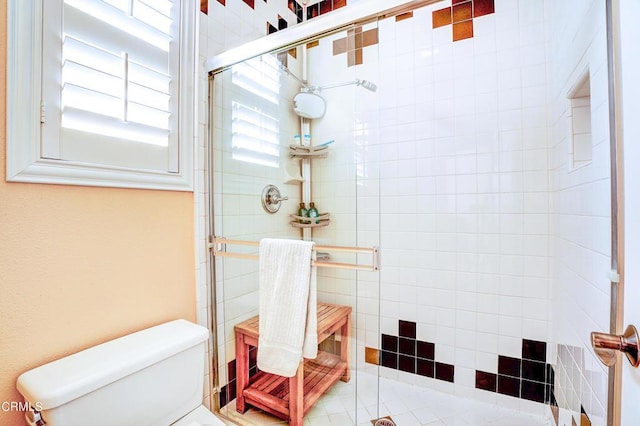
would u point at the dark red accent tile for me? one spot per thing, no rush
(407, 363)
(509, 366)
(407, 346)
(509, 386)
(483, 7)
(462, 12)
(223, 396)
(231, 390)
(325, 6)
(533, 391)
(462, 30)
(425, 367)
(389, 359)
(222, 2)
(313, 11)
(486, 381)
(425, 350)
(441, 17)
(389, 343)
(282, 23)
(407, 329)
(551, 375)
(231, 370)
(204, 6)
(460, 1)
(534, 370)
(534, 350)
(249, 3)
(444, 372)
(253, 371)
(253, 356)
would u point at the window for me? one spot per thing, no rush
(255, 109)
(108, 98)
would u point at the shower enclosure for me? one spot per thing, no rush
(263, 140)
(446, 154)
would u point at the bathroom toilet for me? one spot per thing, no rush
(152, 377)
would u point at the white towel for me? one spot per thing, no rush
(288, 310)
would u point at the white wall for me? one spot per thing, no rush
(580, 210)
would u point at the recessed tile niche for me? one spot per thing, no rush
(580, 116)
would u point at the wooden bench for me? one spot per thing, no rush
(290, 398)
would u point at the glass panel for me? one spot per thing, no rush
(254, 126)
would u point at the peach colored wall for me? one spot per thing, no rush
(81, 265)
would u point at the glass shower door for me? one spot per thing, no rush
(254, 124)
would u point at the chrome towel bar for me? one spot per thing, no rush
(219, 247)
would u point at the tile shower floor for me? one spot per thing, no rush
(408, 405)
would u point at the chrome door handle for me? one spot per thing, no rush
(605, 345)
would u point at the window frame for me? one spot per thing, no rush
(24, 162)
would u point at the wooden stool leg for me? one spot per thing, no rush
(345, 353)
(242, 372)
(296, 400)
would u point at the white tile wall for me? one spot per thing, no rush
(462, 163)
(580, 219)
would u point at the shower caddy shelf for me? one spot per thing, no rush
(308, 222)
(300, 151)
(309, 152)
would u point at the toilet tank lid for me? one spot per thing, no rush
(73, 376)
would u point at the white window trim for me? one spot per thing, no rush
(24, 63)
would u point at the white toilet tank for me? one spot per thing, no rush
(151, 377)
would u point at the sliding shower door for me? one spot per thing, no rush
(253, 126)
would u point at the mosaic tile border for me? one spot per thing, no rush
(354, 43)
(460, 16)
(406, 353)
(529, 377)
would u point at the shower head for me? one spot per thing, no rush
(367, 85)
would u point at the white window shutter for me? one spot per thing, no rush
(109, 83)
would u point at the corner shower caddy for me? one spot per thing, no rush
(308, 153)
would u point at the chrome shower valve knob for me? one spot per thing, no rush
(272, 199)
